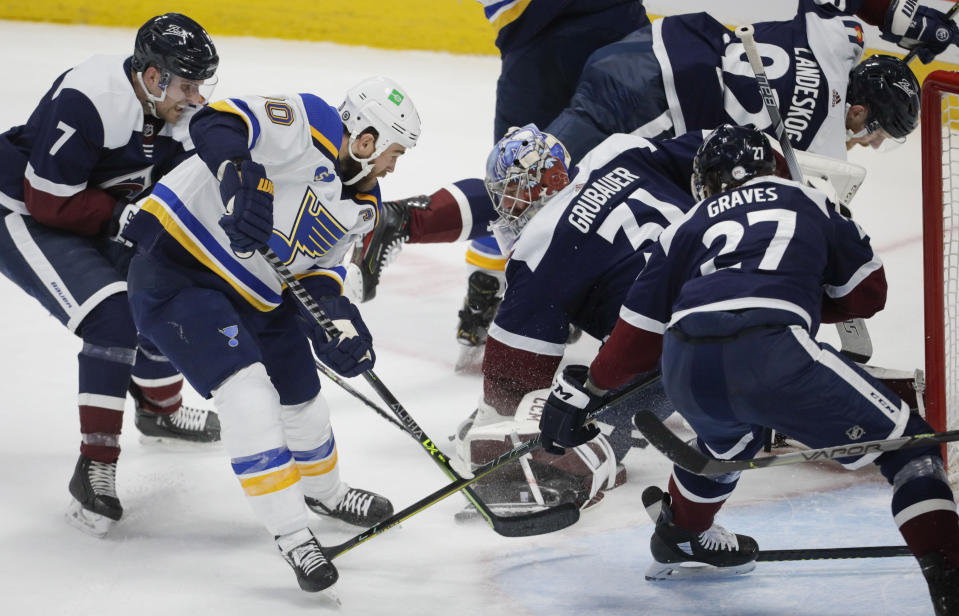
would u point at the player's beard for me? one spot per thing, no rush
(349, 168)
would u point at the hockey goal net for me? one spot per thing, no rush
(940, 187)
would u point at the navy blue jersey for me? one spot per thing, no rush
(708, 79)
(575, 260)
(770, 243)
(520, 21)
(87, 135)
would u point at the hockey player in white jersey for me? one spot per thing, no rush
(295, 174)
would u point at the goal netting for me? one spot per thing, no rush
(940, 185)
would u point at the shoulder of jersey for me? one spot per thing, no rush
(103, 81)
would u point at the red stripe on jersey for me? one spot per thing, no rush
(85, 213)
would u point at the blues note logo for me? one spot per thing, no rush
(314, 232)
(322, 174)
(231, 333)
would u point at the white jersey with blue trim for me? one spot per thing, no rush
(296, 138)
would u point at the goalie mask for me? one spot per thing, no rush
(381, 104)
(730, 156)
(184, 54)
(887, 87)
(523, 171)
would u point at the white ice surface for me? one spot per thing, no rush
(188, 544)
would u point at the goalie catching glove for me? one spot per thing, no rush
(581, 476)
(564, 421)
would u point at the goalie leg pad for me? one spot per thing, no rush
(579, 476)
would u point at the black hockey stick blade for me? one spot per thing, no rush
(878, 551)
(562, 516)
(684, 455)
(538, 522)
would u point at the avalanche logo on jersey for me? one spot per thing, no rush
(129, 185)
(314, 232)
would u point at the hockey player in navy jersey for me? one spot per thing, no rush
(292, 173)
(731, 300)
(576, 244)
(105, 131)
(689, 72)
(543, 46)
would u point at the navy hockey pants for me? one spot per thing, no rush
(728, 383)
(209, 332)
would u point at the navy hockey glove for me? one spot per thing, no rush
(248, 197)
(352, 352)
(563, 423)
(910, 25)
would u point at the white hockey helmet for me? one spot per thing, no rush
(380, 103)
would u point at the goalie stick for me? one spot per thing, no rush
(877, 551)
(536, 523)
(690, 458)
(617, 400)
(653, 503)
(854, 339)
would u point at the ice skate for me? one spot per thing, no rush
(679, 553)
(943, 582)
(355, 506)
(186, 424)
(475, 317)
(95, 506)
(383, 243)
(314, 572)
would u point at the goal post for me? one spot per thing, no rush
(940, 230)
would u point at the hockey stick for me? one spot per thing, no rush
(854, 339)
(690, 458)
(353, 392)
(536, 523)
(878, 551)
(915, 50)
(614, 402)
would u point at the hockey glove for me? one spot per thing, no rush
(248, 197)
(351, 353)
(123, 213)
(563, 423)
(910, 25)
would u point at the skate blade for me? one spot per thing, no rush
(91, 523)
(332, 596)
(470, 360)
(680, 571)
(177, 444)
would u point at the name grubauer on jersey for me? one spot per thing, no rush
(577, 257)
(296, 138)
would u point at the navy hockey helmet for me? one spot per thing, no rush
(176, 44)
(730, 156)
(887, 87)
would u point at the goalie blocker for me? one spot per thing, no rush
(581, 476)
